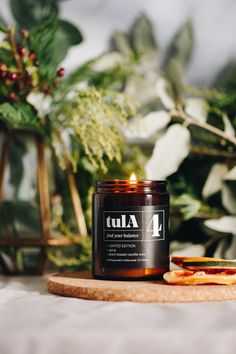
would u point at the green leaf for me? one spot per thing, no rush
(178, 56)
(15, 212)
(17, 150)
(5, 57)
(142, 37)
(29, 12)
(188, 205)
(43, 41)
(67, 35)
(51, 40)
(226, 79)
(3, 25)
(174, 74)
(20, 115)
(120, 42)
(112, 78)
(182, 45)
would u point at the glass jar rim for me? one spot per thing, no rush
(127, 185)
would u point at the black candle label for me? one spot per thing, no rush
(135, 236)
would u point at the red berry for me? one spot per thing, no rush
(47, 90)
(3, 74)
(21, 51)
(32, 56)
(60, 72)
(14, 76)
(55, 84)
(12, 96)
(24, 33)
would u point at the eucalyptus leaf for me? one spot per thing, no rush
(169, 152)
(197, 108)
(144, 127)
(142, 38)
(214, 181)
(181, 46)
(142, 86)
(178, 56)
(226, 224)
(229, 191)
(226, 248)
(174, 73)
(120, 43)
(108, 61)
(164, 92)
(228, 127)
(230, 249)
(41, 103)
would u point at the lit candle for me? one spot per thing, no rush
(130, 229)
(133, 182)
(133, 178)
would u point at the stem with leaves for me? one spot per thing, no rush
(17, 57)
(188, 120)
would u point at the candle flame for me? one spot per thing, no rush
(133, 178)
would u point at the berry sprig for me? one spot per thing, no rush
(23, 75)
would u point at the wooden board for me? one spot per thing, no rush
(83, 286)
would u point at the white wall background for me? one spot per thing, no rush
(213, 21)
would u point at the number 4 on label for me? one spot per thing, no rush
(155, 226)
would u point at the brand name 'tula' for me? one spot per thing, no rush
(123, 221)
(129, 221)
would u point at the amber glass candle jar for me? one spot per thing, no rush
(130, 229)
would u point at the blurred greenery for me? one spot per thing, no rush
(93, 109)
(198, 193)
(80, 126)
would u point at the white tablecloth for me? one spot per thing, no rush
(35, 322)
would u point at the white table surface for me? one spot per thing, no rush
(32, 321)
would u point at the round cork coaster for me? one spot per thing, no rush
(83, 286)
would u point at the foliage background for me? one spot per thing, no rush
(170, 62)
(213, 25)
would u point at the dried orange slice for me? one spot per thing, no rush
(188, 277)
(221, 264)
(204, 263)
(178, 260)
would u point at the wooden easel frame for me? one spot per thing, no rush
(44, 203)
